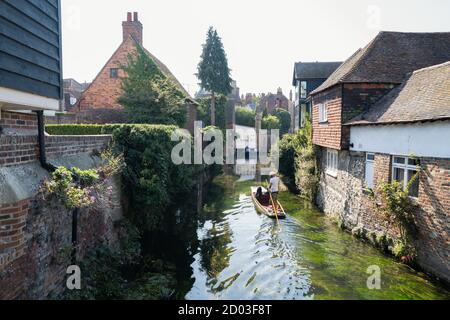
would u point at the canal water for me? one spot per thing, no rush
(236, 253)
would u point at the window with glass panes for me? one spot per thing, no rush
(403, 170)
(303, 88)
(332, 162)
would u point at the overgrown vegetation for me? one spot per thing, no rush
(298, 163)
(149, 95)
(393, 202)
(63, 186)
(152, 181)
(124, 272)
(76, 188)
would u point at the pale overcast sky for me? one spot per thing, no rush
(262, 38)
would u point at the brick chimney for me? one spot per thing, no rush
(132, 27)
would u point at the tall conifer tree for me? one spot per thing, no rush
(213, 71)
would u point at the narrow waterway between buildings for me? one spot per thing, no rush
(235, 253)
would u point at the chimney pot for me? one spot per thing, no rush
(132, 28)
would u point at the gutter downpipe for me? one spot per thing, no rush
(41, 142)
(51, 168)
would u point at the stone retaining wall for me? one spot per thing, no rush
(344, 197)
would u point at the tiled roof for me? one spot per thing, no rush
(390, 56)
(314, 70)
(424, 96)
(167, 72)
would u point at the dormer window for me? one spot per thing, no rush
(114, 73)
(323, 113)
(303, 89)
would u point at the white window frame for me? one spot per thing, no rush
(369, 161)
(406, 168)
(323, 113)
(332, 162)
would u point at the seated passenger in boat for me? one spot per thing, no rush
(264, 199)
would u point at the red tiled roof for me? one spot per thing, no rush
(424, 96)
(390, 56)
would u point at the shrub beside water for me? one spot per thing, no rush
(152, 181)
(298, 163)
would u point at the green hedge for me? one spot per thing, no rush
(74, 129)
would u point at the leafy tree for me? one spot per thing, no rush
(285, 120)
(213, 71)
(149, 96)
(270, 122)
(245, 117)
(204, 111)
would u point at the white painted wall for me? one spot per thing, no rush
(430, 139)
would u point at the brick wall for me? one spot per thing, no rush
(14, 120)
(343, 103)
(434, 215)
(95, 116)
(382, 168)
(58, 146)
(42, 255)
(104, 90)
(328, 134)
(357, 98)
(15, 150)
(12, 237)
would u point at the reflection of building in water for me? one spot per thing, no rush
(245, 137)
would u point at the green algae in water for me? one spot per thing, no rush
(307, 257)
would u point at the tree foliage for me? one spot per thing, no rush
(306, 172)
(285, 120)
(213, 71)
(150, 96)
(298, 163)
(204, 111)
(153, 182)
(245, 117)
(270, 122)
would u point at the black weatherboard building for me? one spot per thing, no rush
(30, 55)
(307, 77)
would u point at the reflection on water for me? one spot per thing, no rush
(244, 255)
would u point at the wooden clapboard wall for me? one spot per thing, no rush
(30, 46)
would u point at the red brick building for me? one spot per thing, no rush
(105, 89)
(271, 101)
(369, 118)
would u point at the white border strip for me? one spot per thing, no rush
(13, 99)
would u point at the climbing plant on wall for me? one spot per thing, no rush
(392, 200)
